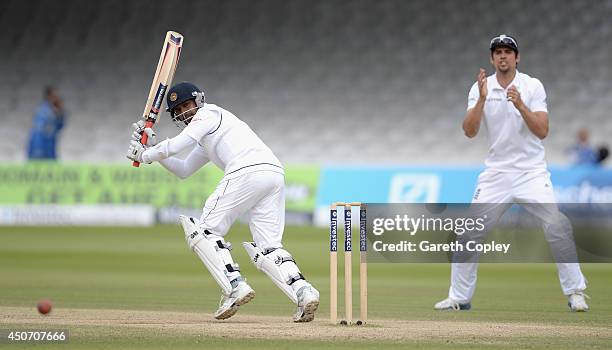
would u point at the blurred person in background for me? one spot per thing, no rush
(47, 122)
(602, 154)
(582, 153)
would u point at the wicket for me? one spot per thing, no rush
(348, 276)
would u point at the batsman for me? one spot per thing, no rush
(253, 185)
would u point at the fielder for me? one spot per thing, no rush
(512, 107)
(253, 184)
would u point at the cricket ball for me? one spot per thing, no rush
(44, 306)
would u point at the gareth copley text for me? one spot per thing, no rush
(426, 246)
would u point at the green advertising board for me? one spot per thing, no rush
(73, 183)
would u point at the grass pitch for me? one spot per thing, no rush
(143, 288)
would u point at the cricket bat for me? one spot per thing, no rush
(168, 60)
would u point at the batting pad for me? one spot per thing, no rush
(206, 251)
(266, 263)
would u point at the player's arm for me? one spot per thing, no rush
(537, 122)
(473, 117)
(183, 168)
(156, 151)
(168, 148)
(476, 102)
(535, 117)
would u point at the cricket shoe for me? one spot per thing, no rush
(450, 304)
(229, 304)
(308, 303)
(577, 302)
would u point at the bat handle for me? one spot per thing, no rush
(143, 139)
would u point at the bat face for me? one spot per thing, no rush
(164, 74)
(166, 66)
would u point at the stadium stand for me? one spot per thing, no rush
(348, 81)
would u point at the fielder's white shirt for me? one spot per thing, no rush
(512, 146)
(217, 135)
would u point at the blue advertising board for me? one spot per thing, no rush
(444, 185)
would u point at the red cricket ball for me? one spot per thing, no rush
(44, 306)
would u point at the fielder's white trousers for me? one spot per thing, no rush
(534, 191)
(260, 195)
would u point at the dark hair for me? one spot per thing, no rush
(504, 40)
(48, 90)
(493, 50)
(602, 154)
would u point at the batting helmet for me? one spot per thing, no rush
(182, 92)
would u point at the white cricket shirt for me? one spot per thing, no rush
(512, 146)
(221, 138)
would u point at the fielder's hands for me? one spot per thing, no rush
(482, 84)
(139, 128)
(514, 96)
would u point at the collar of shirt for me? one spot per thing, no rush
(516, 82)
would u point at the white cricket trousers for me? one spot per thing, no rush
(260, 195)
(534, 191)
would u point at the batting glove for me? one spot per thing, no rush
(139, 128)
(135, 151)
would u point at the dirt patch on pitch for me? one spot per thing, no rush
(250, 326)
